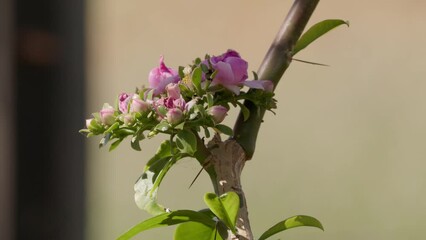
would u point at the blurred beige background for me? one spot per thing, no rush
(348, 143)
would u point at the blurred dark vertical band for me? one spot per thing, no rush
(50, 110)
(7, 119)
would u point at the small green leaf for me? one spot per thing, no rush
(104, 140)
(244, 110)
(162, 126)
(224, 129)
(186, 142)
(199, 231)
(115, 144)
(146, 187)
(180, 71)
(296, 221)
(224, 207)
(210, 99)
(135, 143)
(315, 32)
(168, 219)
(197, 74)
(113, 127)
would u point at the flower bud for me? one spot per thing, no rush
(123, 102)
(218, 113)
(173, 90)
(174, 116)
(107, 114)
(88, 122)
(128, 119)
(139, 105)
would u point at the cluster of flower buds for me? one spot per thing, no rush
(193, 97)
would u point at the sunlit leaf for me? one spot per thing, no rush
(186, 142)
(199, 231)
(315, 32)
(296, 221)
(224, 207)
(168, 219)
(146, 187)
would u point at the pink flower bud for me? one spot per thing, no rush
(218, 113)
(174, 116)
(107, 115)
(139, 105)
(123, 102)
(173, 90)
(88, 121)
(128, 119)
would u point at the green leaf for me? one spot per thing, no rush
(168, 219)
(113, 127)
(162, 126)
(244, 110)
(296, 221)
(146, 187)
(135, 143)
(186, 142)
(115, 144)
(105, 140)
(199, 231)
(315, 32)
(224, 129)
(163, 151)
(210, 99)
(180, 71)
(224, 207)
(197, 74)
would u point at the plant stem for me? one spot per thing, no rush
(274, 64)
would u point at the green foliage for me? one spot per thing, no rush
(146, 187)
(186, 142)
(198, 225)
(225, 207)
(296, 221)
(315, 32)
(168, 219)
(199, 231)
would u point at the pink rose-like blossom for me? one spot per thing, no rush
(107, 115)
(139, 105)
(218, 113)
(160, 76)
(232, 73)
(173, 90)
(123, 102)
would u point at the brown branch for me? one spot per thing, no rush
(274, 64)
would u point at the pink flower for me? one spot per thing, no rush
(266, 85)
(218, 113)
(107, 115)
(160, 76)
(173, 90)
(232, 71)
(123, 102)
